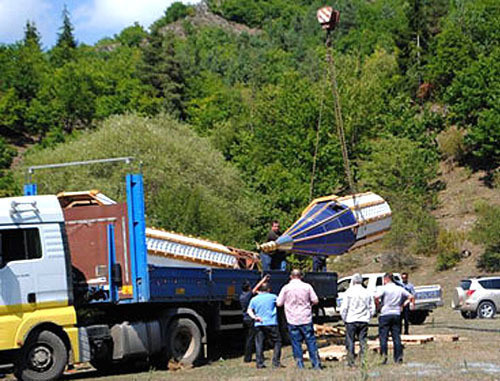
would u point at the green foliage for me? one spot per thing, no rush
(31, 35)
(132, 36)
(474, 96)
(451, 143)
(414, 230)
(188, 186)
(161, 70)
(6, 154)
(490, 259)
(398, 168)
(448, 247)
(173, 13)
(486, 230)
(65, 47)
(257, 97)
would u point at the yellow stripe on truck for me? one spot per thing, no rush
(17, 321)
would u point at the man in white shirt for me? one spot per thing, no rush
(391, 297)
(356, 310)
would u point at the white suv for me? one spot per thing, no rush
(477, 297)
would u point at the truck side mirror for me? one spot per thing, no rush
(116, 275)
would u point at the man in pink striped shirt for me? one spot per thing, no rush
(298, 298)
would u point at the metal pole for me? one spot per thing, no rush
(33, 168)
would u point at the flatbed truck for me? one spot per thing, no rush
(91, 296)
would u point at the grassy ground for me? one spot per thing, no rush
(475, 356)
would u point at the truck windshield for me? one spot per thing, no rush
(465, 284)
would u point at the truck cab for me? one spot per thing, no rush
(35, 285)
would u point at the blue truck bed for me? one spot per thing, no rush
(177, 284)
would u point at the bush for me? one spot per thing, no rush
(414, 230)
(490, 259)
(6, 154)
(449, 247)
(451, 143)
(188, 186)
(398, 261)
(486, 230)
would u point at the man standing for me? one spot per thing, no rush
(391, 297)
(406, 306)
(298, 298)
(248, 323)
(262, 309)
(356, 310)
(319, 263)
(278, 261)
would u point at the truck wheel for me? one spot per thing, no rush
(486, 310)
(43, 357)
(418, 317)
(468, 314)
(184, 341)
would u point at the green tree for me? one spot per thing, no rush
(31, 35)
(161, 69)
(473, 96)
(65, 47)
(132, 36)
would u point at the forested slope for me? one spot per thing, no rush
(418, 82)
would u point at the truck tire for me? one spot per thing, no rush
(184, 341)
(468, 314)
(418, 317)
(43, 357)
(104, 363)
(486, 310)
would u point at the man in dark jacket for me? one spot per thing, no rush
(278, 258)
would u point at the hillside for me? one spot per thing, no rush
(418, 85)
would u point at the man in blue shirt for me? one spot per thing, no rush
(248, 323)
(405, 313)
(262, 309)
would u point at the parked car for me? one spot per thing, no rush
(477, 297)
(427, 298)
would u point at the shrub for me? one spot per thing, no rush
(414, 230)
(448, 246)
(490, 259)
(451, 143)
(398, 261)
(486, 230)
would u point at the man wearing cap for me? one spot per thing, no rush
(356, 311)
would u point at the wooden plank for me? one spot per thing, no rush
(323, 330)
(418, 338)
(446, 338)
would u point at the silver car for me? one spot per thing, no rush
(478, 297)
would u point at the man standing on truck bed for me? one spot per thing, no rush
(298, 298)
(356, 310)
(262, 310)
(391, 297)
(405, 314)
(278, 258)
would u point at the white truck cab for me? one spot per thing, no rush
(34, 279)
